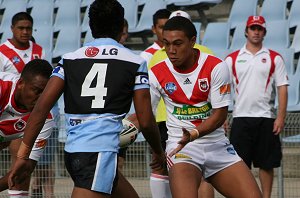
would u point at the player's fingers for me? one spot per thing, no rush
(176, 150)
(11, 182)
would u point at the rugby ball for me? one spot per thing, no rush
(129, 133)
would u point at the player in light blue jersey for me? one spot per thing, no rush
(99, 82)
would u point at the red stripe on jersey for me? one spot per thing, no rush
(36, 51)
(151, 50)
(12, 56)
(164, 76)
(273, 54)
(234, 57)
(169, 162)
(5, 88)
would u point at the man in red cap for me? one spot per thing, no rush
(256, 71)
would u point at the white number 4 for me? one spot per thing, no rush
(99, 91)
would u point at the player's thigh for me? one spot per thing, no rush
(82, 192)
(236, 181)
(184, 179)
(124, 188)
(94, 171)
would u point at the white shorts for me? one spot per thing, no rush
(210, 158)
(41, 140)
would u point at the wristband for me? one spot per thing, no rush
(24, 151)
(194, 134)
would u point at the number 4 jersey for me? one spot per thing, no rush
(100, 79)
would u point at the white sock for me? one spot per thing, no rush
(18, 193)
(159, 185)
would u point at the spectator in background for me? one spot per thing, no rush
(255, 70)
(98, 81)
(160, 17)
(195, 87)
(19, 94)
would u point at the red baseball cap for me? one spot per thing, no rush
(256, 20)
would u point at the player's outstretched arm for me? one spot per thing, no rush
(147, 124)
(34, 125)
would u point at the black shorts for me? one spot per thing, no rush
(163, 133)
(122, 152)
(255, 142)
(93, 171)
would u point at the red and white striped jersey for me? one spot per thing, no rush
(13, 120)
(13, 59)
(190, 97)
(149, 52)
(255, 78)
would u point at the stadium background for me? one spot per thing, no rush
(61, 26)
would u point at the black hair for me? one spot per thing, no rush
(106, 19)
(182, 24)
(21, 16)
(36, 67)
(246, 31)
(160, 14)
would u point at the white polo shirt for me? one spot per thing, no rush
(255, 79)
(149, 52)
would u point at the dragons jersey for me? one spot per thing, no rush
(159, 56)
(13, 59)
(255, 78)
(148, 53)
(100, 79)
(190, 97)
(13, 119)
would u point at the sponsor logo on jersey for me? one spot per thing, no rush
(58, 70)
(188, 112)
(242, 61)
(15, 60)
(203, 84)
(36, 56)
(225, 89)
(20, 125)
(231, 150)
(263, 60)
(40, 143)
(187, 81)
(142, 79)
(182, 156)
(112, 51)
(25, 56)
(74, 122)
(170, 87)
(91, 51)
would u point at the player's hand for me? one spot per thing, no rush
(186, 138)
(158, 164)
(278, 125)
(21, 170)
